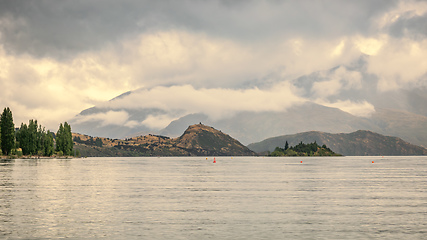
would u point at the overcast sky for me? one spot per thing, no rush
(60, 57)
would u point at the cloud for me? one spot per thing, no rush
(406, 19)
(370, 46)
(336, 81)
(52, 91)
(361, 109)
(180, 57)
(401, 63)
(157, 122)
(398, 52)
(65, 29)
(119, 118)
(215, 102)
(221, 57)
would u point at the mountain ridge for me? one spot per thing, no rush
(400, 113)
(197, 140)
(358, 143)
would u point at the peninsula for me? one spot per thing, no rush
(197, 140)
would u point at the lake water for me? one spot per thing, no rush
(234, 198)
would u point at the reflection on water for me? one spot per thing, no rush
(193, 198)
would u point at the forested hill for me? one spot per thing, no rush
(302, 149)
(359, 143)
(197, 140)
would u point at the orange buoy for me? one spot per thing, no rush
(372, 161)
(301, 161)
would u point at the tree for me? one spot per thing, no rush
(48, 144)
(98, 142)
(34, 140)
(286, 145)
(59, 138)
(7, 134)
(22, 138)
(32, 137)
(68, 139)
(64, 139)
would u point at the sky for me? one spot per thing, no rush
(58, 58)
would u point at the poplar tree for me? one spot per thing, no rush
(59, 138)
(68, 140)
(64, 139)
(7, 129)
(32, 137)
(48, 144)
(22, 137)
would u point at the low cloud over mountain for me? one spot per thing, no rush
(218, 58)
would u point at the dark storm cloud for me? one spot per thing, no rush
(414, 27)
(63, 28)
(227, 55)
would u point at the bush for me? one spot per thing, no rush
(19, 153)
(290, 152)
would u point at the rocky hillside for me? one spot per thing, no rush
(206, 141)
(359, 143)
(197, 140)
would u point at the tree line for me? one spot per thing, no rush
(33, 139)
(302, 149)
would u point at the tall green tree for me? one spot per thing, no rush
(7, 131)
(34, 140)
(48, 144)
(59, 138)
(32, 136)
(22, 138)
(68, 140)
(64, 139)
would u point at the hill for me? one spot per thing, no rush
(302, 149)
(197, 140)
(408, 126)
(359, 143)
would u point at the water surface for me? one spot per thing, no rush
(234, 198)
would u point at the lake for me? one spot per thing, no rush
(234, 198)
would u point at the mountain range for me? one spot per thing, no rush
(250, 127)
(400, 113)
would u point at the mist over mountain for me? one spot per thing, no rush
(166, 60)
(343, 99)
(250, 127)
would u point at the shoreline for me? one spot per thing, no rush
(35, 157)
